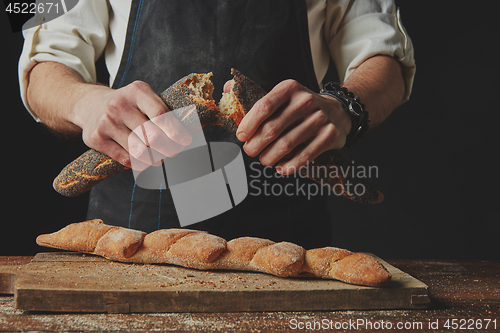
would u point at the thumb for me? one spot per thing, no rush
(227, 86)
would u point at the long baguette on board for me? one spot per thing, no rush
(200, 250)
(92, 167)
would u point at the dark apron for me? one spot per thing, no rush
(268, 41)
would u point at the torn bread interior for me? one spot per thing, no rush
(194, 89)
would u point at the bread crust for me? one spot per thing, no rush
(119, 243)
(318, 261)
(89, 169)
(359, 268)
(200, 250)
(81, 237)
(245, 93)
(180, 95)
(93, 167)
(280, 259)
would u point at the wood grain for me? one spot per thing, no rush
(75, 282)
(476, 280)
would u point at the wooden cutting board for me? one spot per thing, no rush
(76, 282)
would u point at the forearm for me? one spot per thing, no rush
(380, 84)
(53, 92)
(105, 117)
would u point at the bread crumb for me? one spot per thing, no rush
(201, 86)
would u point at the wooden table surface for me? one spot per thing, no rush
(465, 296)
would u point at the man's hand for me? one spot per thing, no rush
(107, 117)
(291, 115)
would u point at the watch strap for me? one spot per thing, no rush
(352, 104)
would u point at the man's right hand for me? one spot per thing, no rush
(107, 117)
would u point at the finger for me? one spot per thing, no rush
(227, 86)
(154, 138)
(173, 128)
(141, 151)
(121, 135)
(146, 99)
(285, 144)
(120, 154)
(152, 106)
(265, 108)
(321, 143)
(117, 148)
(151, 135)
(138, 165)
(302, 105)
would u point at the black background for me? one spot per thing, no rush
(17, 20)
(437, 155)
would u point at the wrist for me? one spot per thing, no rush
(353, 107)
(85, 96)
(339, 117)
(52, 92)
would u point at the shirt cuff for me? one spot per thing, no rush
(370, 35)
(75, 39)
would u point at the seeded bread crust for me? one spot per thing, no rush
(243, 95)
(182, 93)
(88, 170)
(94, 167)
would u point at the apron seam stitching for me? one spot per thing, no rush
(131, 51)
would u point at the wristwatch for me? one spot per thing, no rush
(354, 108)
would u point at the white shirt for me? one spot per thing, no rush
(348, 31)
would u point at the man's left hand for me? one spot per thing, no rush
(288, 116)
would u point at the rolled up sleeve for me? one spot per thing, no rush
(358, 29)
(76, 39)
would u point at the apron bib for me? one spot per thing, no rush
(267, 41)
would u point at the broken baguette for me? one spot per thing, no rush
(92, 167)
(84, 173)
(193, 89)
(88, 170)
(200, 250)
(244, 93)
